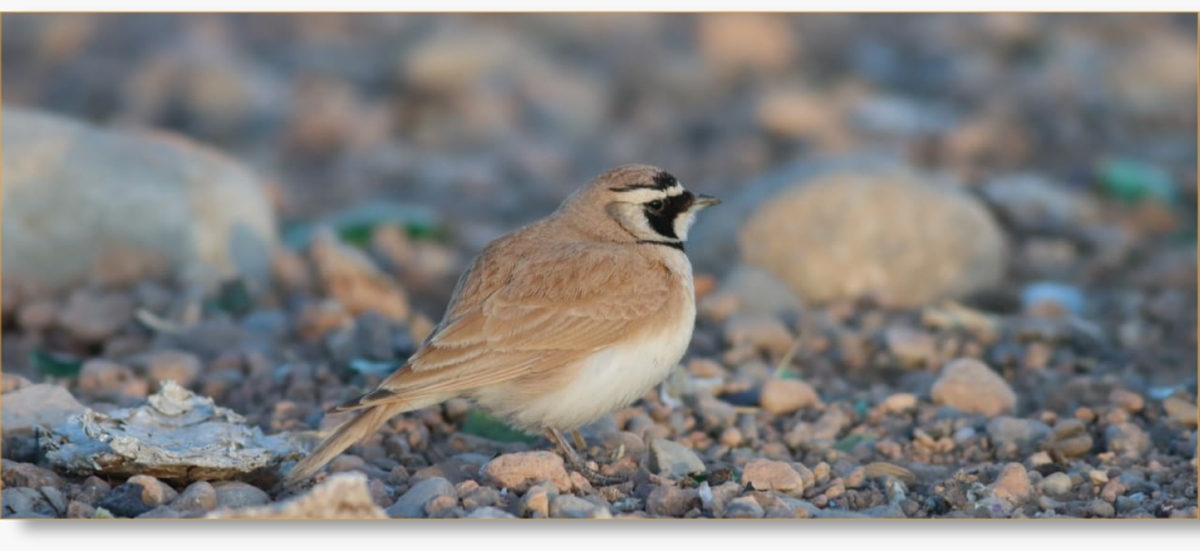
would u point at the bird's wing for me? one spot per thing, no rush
(556, 307)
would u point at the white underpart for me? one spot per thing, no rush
(615, 377)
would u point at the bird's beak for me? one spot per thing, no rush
(704, 201)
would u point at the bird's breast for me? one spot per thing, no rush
(610, 379)
(613, 377)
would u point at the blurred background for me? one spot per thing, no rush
(1077, 131)
(492, 119)
(317, 183)
(1068, 142)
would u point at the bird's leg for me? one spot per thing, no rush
(577, 463)
(578, 438)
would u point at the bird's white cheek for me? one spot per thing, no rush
(683, 223)
(634, 220)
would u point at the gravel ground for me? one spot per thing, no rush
(1062, 383)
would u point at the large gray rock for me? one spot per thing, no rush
(713, 242)
(84, 203)
(178, 436)
(859, 225)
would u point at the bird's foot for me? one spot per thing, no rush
(576, 463)
(596, 478)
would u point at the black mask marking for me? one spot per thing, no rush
(662, 219)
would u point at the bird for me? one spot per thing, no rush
(557, 323)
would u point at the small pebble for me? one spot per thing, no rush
(480, 497)
(1013, 484)
(671, 501)
(766, 474)
(77, 509)
(731, 437)
(56, 499)
(970, 386)
(911, 347)
(1071, 438)
(95, 317)
(672, 459)
(1128, 400)
(855, 478)
(25, 503)
(569, 506)
(98, 376)
(536, 502)
(172, 365)
(1100, 508)
(898, 403)
(1040, 458)
(131, 499)
(1180, 411)
(1112, 490)
(162, 511)
(784, 396)
(92, 490)
(1062, 298)
(1025, 433)
(1127, 439)
(518, 471)
(28, 475)
(705, 368)
(198, 496)
(489, 512)
(762, 332)
(440, 506)
(235, 494)
(1056, 485)
(743, 507)
(413, 503)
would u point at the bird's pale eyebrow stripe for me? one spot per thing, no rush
(661, 181)
(632, 187)
(671, 191)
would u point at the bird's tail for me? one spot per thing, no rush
(351, 432)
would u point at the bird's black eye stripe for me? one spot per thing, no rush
(662, 217)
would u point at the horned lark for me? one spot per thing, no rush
(558, 323)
